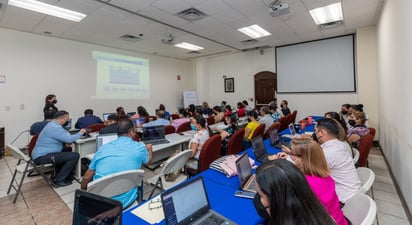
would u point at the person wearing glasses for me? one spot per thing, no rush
(308, 156)
(284, 196)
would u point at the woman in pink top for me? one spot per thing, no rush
(309, 158)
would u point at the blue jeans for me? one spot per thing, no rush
(64, 163)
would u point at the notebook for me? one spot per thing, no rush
(259, 149)
(244, 172)
(95, 209)
(103, 139)
(188, 204)
(154, 135)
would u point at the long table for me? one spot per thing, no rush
(221, 190)
(86, 147)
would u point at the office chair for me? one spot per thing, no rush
(364, 149)
(272, 127)
(360, 209)
(234, 146)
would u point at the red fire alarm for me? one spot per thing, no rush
(178, 77)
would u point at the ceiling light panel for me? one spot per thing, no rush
(327, 14)
(188, 46)
(254, 31)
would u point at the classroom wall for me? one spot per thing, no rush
(36, 65)
(394, 35)
(243, 66)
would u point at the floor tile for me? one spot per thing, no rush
(386, 219)
(390, 208)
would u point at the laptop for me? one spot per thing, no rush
(277, 141)
(130, 114)
(154, 135)
(244, 172)
(103, 139)
(68, 125)
(95, 209)
(292, 130)
(188, 204)
(259, 149)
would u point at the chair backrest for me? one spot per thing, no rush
(32, 143)
(234, 145)
(17, 153)
(372, 131)
(288, 119)
(176, 162)
(174, 116)
(364, 149)
(260, 130)
(360, 210)
(116, 183)
(210, 120)
(355, 155)
(272, 127)
(209, 153)
(96, 127)
(169, 129)
(367, 177)
(283, 123)
(293, 116)
(183, 127)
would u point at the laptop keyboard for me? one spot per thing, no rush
(212, 220)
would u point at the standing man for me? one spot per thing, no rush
(49, 149)
(340, 162)
(119, 155)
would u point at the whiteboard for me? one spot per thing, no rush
(189, 97)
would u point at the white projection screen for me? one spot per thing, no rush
(121, 77)
(326, 65)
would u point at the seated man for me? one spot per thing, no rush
(119, 155)
(111, 125)
(340, 162)
(37, 127)
(87, 120)
(159, 121)
(49, 149)
(266, 117)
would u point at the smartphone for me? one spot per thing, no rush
(245, 194)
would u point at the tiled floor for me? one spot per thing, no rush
(40, 204)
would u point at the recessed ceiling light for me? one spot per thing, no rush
(254, 31)
(48, 9)
(327, 14)
(188, 46)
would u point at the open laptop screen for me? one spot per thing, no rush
(103, 139)
(106, 115)
(292, 129)
(274, 137)
(185, 203)
(95, 209)
(153, 133)
(244, 170)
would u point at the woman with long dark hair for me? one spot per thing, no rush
(284, 196)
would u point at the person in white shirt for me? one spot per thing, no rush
(266, 117)
(339, 160)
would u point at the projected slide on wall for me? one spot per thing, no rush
(121, 77)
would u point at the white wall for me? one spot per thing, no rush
(394, 35)
(36, 65)
(243, 67)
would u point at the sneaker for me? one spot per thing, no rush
(61, 184)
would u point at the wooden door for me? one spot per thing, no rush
(265, 88)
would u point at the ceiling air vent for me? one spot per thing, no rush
(331, 25)
(130, 38)
(193, 52)
(192, 14)
(249, 42)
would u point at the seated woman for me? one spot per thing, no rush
(358, 130)
(227, 133)
(166, 113)
(284, 196)
(140, 117)
(196, 143)
(228, 110)
(309, 158)
(182, 118)
(275, 113)
(337, 117)
(121, 113)
(250, 128)
(218, 114)
(241, 110)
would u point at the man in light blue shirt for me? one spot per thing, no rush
(159, 121)
(49, 149)
(119, 155)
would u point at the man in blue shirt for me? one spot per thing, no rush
(87, 120)
(119, 155)
(159, 121)
(49, 146)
